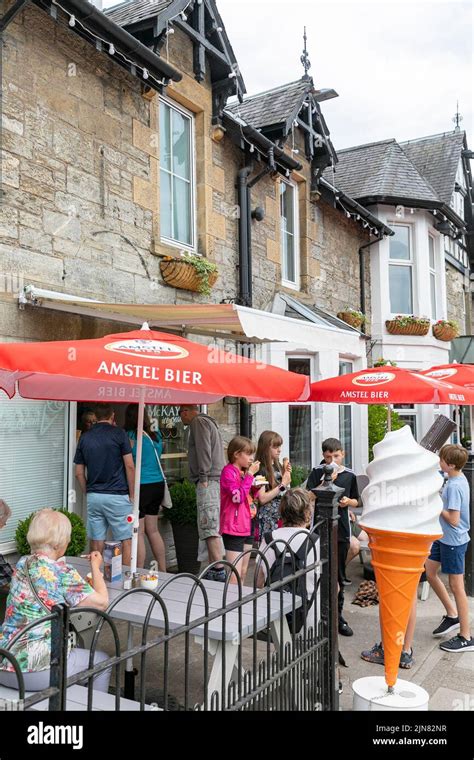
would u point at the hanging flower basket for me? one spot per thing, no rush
(352, 317)
(407, 325)
(445, 329)
(189, 273)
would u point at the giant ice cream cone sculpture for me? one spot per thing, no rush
(401, 515)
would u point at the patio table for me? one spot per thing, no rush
(222, 645)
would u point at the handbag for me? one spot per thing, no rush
(72, 633)
(166, 501)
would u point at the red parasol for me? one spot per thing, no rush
(141, 366)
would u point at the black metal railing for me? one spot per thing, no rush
(272, 648)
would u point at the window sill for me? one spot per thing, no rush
(167, 248)
(290, 285)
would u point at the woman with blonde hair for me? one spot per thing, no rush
(40, 581)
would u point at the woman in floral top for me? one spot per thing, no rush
(54, 582)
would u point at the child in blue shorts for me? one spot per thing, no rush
(449, 552)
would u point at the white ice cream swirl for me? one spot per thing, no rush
(404, 487)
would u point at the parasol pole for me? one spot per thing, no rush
(138, 469)
(389, 418)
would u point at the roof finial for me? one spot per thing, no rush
(305, 59)
(457, 118)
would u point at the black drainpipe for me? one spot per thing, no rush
(245, 262)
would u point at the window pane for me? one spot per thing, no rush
(165, 205)
(301, 366)
(400, 243)
(410, 420)
(286, 207)
(289, 258)
(345, 368)
(287, 232)
(165, 144)
(345, 432)
(181, 157)
(433, 295)
(182, 211)
(432, 254)
(401, 301)
(300, 436)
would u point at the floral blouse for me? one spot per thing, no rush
(55, 582)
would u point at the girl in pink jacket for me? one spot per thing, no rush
(237, 502)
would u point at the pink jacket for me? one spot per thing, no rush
(235, 508)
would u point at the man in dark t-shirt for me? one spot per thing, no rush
(333, 453)
(106, 453)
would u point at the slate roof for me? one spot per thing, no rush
(379, 169)
(437, 158)
(132, 11)
(422, 169)
(273, 106)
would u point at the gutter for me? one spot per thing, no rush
(391, 200)
(98, 23)
(361, 210)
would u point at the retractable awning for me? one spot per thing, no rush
(225, 321)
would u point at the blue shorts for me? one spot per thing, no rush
(451, 557)
(108, 510)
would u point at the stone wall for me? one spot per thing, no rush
(456, 300)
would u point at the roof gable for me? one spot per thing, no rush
(273, 106)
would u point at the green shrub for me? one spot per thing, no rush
(184, 510)
(78, 534)
(378, 425)
(298, 475)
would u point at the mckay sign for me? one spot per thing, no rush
(149, 349)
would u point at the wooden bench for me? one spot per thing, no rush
(76, 700)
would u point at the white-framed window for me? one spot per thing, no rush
(345, 418)
(300, 420)
(432, 265)
(401, 270)
(177, 176)
(289, 226)
(408, 415)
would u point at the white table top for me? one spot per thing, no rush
(176, 596)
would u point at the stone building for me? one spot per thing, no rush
(128, 144)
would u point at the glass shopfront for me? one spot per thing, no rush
(166, 420)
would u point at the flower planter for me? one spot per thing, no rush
(413, 328)
(351, 319)
(444, 332)
(182, 274)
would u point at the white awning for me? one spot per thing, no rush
(226, 321)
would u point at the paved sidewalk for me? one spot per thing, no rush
(448, 678)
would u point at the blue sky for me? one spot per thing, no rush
(399, 68)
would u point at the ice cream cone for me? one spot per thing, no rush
(398, 560)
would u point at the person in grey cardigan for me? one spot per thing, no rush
(206, 462)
